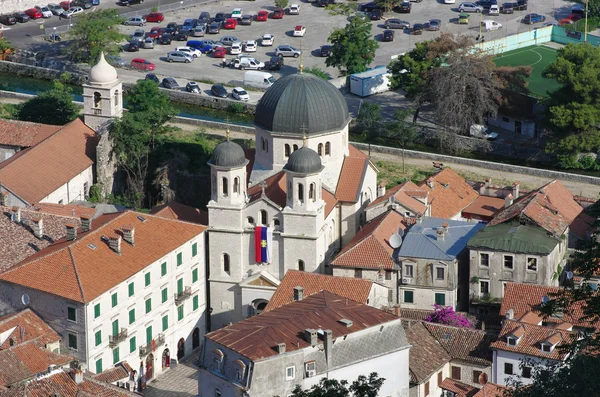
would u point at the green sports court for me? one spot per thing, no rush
(536, 56)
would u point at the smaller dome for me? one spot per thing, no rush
(102, 72)
(228, 154)
(304, 161)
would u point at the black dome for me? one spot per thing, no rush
(228, 154)
(304, 161)
(302, 104)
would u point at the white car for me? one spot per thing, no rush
(236, 48)
(71, 12)
(449, 1)
(267, 40)
(237, 13)
(189, 50)
(46, 12)
(294, 9)
(240, 94)
(250, 46)
(299, 31)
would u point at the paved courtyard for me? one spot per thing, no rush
(180, 381)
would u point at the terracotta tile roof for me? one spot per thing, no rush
(181, 212)
(34, 173)
(85, 268)
(463, 343)
(450, 194)
(370, 247)
(114, 374)
(330, 201)
(531, 338)
(347, 287)
(351, 175)
(582, 225)
(23, 133)
(531, 318)
(413, 314)
(406, 194)
(69, 210)
(491, 390)
(426, 356)
(250, 156)
(27, 326)
(461, 389)
(257, 337)
(484, 207)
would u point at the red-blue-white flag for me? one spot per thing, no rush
(263, 244)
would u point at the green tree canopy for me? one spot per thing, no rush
(54, 106)
(353, 47)
(362, 387)
(281, 3)
(93, 33)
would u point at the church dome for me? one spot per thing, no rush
(102, 72)
(302, 104)
(304, 161)
(228, 154)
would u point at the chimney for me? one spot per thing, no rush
(115, 243)
(311, 336)
(488, 181)
(445, 227)
(508, 200)
(129, 234)
(77, 376)
(3, 199)
(510, 314)
(515, 189)
(328, 345)
(71, 231)
(430, 183)
(86, 223)
(281, 348)
(381, 190)
(440, 233)
(16, 214)
(38, 227)
(298, 293)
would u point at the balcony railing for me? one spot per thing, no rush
(183, 295)
(152, 346)
(114, 340)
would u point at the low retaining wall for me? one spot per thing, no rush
(37, 72)
(216, 125)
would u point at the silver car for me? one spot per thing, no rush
(287, 51)
(148, 43)
(178, 56)
(395, 23)
(56, 9)
(469, 7)
(137, 21)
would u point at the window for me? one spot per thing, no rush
(195, 303)
(287, 150)
(97, 100)
(236, 187)
(217, 393)
(409, 297)
(250, 220)
(526, 372)
(408, 271)
(98, 337)
(508, 261)
(73, 341)
(532, 264)
(179, 258)
(96, 310)
(132, 344)
(115, 327)
(114, 299)
(546, 348)
(484, 260)
(276, 222)
(426, 389)
(194, 275)
(164, 294)
(312, 189)
(290, 373)
(131, 288)
(310, 368)
(263, 217)
(439, 273)
(224, 187)
(357, 273)
(503, 287)
(440, 378)
(301, 265)
(455, 373)
(132, 316)
(163, 269)
(115, 355)
(180, 313)
(98, 365)
(147, 279)
(476, 376)
(71, 314)
(484, 288)
(149, 334)
(390, 296)
(508, 368)
(327, 149)
(388, 274)
(440, 299)
(117, 98)
(295, 147)
(289, 191)
(301, 193)
(320, 149)
(180, 285)
(226, 263)
(165, 323)
(511, 340)
(148, 305)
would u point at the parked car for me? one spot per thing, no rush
(287, 51)
(369, 7)
(277, 14)
(274, 63)
(204, 15)
(71, 12)
(193, 87)
(199, 31)
(155, 32)
(250, 46)
(486, 3)
(188, 24)
(46, 11)
(237, 13)
(489, 25)
(147, 43)
(494, 10)
(405, 7)
(139, 34)
(214, 28)
(142, 64)
(530, 19)
(21, 17)
(164, 39)
(519, 5)
(246, 62)
(129, 2)
(417, 29)
(56, 9)
(230, 23)
(235, 48)
(116, 61)
(387, 35)
(180, 36)
(195, 53)
(34, 13)
(219, 91)
(219, 52)
(135, 21)
(154, 17)
(8, 20)
(376, 14)
(172, 27)
(170, 83)
(219, 17)
(294, 9)
(570, 20)
(203, 46)
(434, 25)
(394, 23)
(228, 40)
(481, 131)
(85, 4)
(299, 31)
(240, 94)
(507, 8)
(65, 5)
(133, 45)
(325, 50)
(153, 77)
(246, 20)
(267, 40)
(179, 56)
(262, 16)
(469, 7)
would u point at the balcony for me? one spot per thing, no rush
(114, 340)
(152, 346)
(180, 297)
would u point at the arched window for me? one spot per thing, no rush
(289, 191)
(301, 265)
(276, 222)
(320, 149)
(225, 187)
(226, 265)
(263, 217)
(97, 100)
(287, 150)
(311, 192)
(327, 149)
(236, 185)
(295, 147)
(258, 306)
(250, 220)
(301, 193)
(116, 98)
(262, 143)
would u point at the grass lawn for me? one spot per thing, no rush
(538, 57)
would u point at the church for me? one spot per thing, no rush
(291, 203)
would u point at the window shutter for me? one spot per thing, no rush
(194, 249)
(131, 289)
(132, 345)
(195, 302)
(132, 316)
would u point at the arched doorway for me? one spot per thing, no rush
(196, 338)
(258, 306)
(166, 359)
(180, 349)
(149, 367)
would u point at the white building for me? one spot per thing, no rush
(129, 287)
(320, 336)
(306, 184)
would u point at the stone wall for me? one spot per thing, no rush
(37, 72)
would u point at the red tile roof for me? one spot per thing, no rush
(182, 212)
(461, 389)
(351, 175)
(70, 210)
(426, 354)
(483, 207)
(406, 194)
(28, 326)
(34, 173)
(114, 374)
(347, 287)
(85, 268)
(450, 194)
(257, 337)
(463, 343)
(491, 390)
(370, 247)
(23, 133)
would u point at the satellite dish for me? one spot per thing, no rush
(400, 232)
(545, 299)
(395, 240)
(569, 275)
(25, 299)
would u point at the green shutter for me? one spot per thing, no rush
(132, 316)
(148, 305)
(180, 313)
(73, 341)
(115, 327)
(115, 355)
(195, 302)
(98, 365)
(115, 299)
(180, 286)
(194, 249)
(440, 299)
(131, 289)
(149, 334)
(98, 337)
(194, 275)
(147, 278)
(179, 259)
(165, 322)
(165, 295)
(163, 269)
(409, 297)
(97, 310)
(132, 345)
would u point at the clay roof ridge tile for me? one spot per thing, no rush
(77, 275)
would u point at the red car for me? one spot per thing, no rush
(34, 13)
(142, 64)
(155, 32)
(219, 52)
(65, 5)
(570, 20)
(230, 23)
(277, 14)
(262, 16)
(154, 17)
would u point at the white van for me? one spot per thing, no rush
(494, 10)
(488, 25)
(258, 79)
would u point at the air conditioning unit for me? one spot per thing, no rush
(311, 373)
(406, 280)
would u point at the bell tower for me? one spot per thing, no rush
(102, 96)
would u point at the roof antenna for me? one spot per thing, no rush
(227, 128)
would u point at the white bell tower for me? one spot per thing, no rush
(102, 96)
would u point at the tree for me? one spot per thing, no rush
(353, 47)
(93, 33)
(368, 121)
(346, 9)
(386, 5)
(401, 131)
(281, 3)
(362, 387)
(54, 106)
(446, 315)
